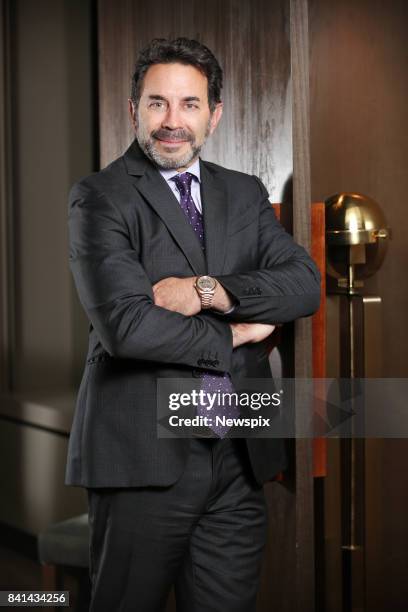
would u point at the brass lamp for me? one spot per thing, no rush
(357, 239)
(356, 236)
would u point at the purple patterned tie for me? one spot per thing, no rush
(212, 382)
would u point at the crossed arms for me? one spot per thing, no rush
(125, 309)
(179, 295)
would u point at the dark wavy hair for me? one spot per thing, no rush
(182, 51)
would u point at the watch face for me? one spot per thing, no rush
(206, 283)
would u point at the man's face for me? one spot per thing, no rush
(173, 118)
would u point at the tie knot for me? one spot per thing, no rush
(183, 182)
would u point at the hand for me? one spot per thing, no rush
(178, 295)
(249, 333)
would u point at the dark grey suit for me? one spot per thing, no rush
(127, 231)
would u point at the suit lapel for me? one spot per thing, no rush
(155, 190)
(149, 182)
(215, 207)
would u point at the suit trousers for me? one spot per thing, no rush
(205, 535)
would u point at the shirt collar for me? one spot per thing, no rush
(194, 169)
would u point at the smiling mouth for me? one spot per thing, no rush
(172, 144)
(171, 141)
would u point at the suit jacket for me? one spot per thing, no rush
(127, 231)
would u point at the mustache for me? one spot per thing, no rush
(163, 134)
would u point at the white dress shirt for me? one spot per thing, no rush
(194, 169)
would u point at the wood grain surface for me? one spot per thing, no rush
(359, 113)
(251, 42)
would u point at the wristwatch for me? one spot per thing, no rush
(205, 287)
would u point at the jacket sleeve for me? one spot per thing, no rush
(286, 284)
(118, 299)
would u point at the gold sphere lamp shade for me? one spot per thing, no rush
(356, 238)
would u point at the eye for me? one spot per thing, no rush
(191, 105)
(156, 104)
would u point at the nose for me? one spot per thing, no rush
(172, 119)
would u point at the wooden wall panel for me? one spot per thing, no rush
(318, 251)
(305, 540)
(251, 41)
(359, 113)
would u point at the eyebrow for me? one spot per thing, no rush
(186, 99)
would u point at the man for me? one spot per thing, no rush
(143, 233)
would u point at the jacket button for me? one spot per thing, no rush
(197, 373)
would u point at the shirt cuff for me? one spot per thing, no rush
(226, 312)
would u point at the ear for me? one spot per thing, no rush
(216, 116)
(132, 113)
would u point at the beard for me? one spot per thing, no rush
(172, 161)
